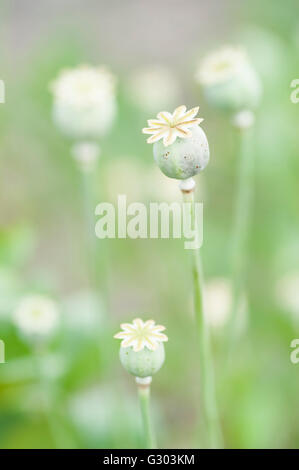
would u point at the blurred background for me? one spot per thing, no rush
(75, 393)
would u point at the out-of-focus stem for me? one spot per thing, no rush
(86, 154)
(89, 206)
(61, 438)
(209, 408)
(241, 228)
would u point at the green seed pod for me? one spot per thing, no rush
(185, 157)
(84, 104)
(89, 122)
(242, 91)
(143, 363)
(229, 80)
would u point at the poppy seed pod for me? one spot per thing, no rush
(229, 81)
(240, 92)
(84, 104)
(37, 318)
(181, 148)
(88, 122)
(142, 351)
(143, 363)
(185, 157)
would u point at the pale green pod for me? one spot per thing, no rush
(185, 157)
(241, 91)
(84, 122)
(143, 363)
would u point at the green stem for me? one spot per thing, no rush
(97, 265)
(207, 379)
(60, 436)
(88, 206)
(241, 228)
(144, 398)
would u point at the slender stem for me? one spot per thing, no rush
(144, 398)
(88, 206)
(96, 256)
(61, 438)
(207, 379)
(86, 155)
(241, 228)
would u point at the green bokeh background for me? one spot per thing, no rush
(91, 400)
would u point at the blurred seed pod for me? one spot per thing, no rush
(229, 80)
(84, 102)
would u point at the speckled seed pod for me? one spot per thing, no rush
(185, 157)
(143, 363)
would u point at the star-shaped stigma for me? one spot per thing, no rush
(139, 335)
(170, 126)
